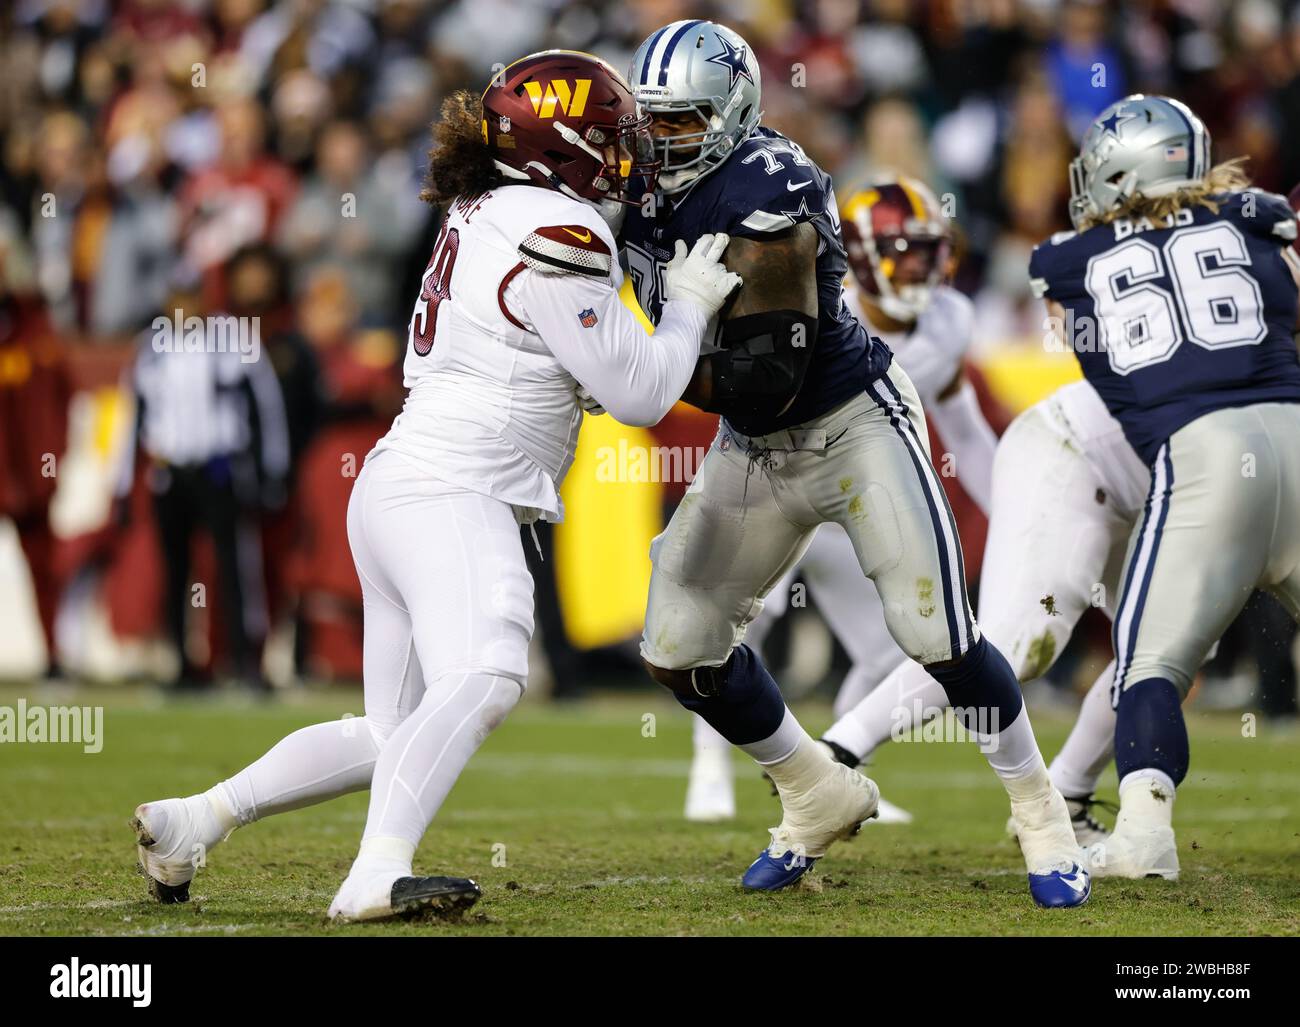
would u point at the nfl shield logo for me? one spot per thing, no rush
(504, 124)
(587, 317)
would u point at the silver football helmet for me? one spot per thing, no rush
(1140, 145)
(702, 67)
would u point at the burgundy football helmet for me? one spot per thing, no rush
(568, 120)
(899, 243)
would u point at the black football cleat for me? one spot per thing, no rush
(159, 891)
(441, 897)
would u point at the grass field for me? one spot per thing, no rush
(586, 812)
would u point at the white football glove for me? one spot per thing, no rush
(699, 277)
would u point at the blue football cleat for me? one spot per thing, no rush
(1058, 889)
(768, 873)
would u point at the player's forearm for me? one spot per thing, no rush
(635, 376)
(659, 368)
(966, 434)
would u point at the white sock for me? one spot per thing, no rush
(427, 752)
(897, 704)
(1012, 751)
(780, 744)
(1091, 745)
(309, 766)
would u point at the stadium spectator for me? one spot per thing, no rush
(143, 135)
(239, 199)
(35, 390)
(362, 393)
(351, 214)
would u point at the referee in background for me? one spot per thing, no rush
(210, 422)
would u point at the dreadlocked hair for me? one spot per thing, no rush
(460, 163)
(1228, 177)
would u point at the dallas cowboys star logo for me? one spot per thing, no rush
(1111, 125)
(799, 212)
(733, 59)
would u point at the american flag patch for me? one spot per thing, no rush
(587, 318)
(1174, 154)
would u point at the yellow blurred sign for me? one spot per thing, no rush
(602, 550)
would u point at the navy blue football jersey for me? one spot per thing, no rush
(1174, 319)
(765, 186)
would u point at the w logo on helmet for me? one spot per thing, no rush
(572, 99)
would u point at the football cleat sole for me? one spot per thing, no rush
(433, 897)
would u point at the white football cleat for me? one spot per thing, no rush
(834, 808)
(365, 895)
(1136, 851)
(1058, 874)
(173, 838)
(1087, 829)
(711, 794)
(1142, 844)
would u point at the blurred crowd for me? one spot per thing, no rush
(139, 134)
(263, 157)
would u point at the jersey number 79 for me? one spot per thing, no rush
(435, 287)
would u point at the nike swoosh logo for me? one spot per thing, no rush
(792, 186)
(581, 238)
(1075, 882)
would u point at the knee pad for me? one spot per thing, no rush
(926, 640)
(684, 633)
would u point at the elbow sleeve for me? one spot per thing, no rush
(763, 360)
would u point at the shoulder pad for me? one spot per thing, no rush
(1269, 214)
(1038, 273)
(566, 249)
(772, 187)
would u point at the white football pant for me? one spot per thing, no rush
(448, 605)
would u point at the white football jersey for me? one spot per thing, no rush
(933, 351)
(518, 306)
(1078, 413)
(490, 406)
